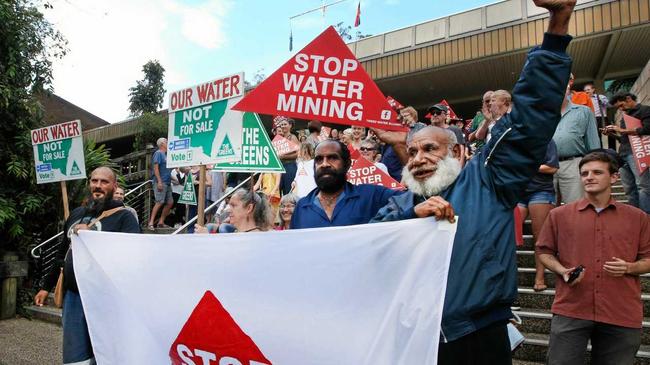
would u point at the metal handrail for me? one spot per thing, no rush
(33, 251)
(217, 202)
(137, 187)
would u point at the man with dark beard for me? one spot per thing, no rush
(336, 202)
(482, 279)
(101, 213)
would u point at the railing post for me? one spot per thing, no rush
(10, 270)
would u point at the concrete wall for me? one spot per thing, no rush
(642, 86)
(467, 23)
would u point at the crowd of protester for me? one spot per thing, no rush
(518, 157)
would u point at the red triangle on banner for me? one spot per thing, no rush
(365, 172)
(324, 81)
(211, 334)
(283, 146)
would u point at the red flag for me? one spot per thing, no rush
(357, 20)
(323, 81)
(640, 144)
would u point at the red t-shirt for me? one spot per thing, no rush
(577, 235)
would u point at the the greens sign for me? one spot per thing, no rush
(59, 152)
(202, 128)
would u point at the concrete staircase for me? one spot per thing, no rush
(47, 313)
(535, 306)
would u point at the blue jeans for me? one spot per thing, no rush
(537, 197)
(637, 187)
(76, 340)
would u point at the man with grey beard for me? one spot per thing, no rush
(482, 278)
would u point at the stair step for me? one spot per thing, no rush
(535, 347)
(539, 321)
(543, 300)
(45, 313)
(159, 231)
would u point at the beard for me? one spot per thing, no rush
(445, 174)
(332, 182)
(98, 205)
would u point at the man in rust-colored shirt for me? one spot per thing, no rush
(612, 242)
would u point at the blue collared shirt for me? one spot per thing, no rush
(576, 134)
(356, 205)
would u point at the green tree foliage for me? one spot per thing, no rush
(258, 77)
(150, 127)
(345, 31)
(28, 46)
(147, 95)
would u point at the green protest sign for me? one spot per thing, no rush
(59, 152)
(188, 195)
(202, 128)
(257, 154)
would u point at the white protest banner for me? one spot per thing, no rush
(202, 127)
(59, 152)
(366, 294)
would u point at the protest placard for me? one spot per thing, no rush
(283, 146)
(366, 172)
(324, 81)
(202, 127)
(325, 133)
(188, 195)
(640, 144)
(59, 152)
(258, 154)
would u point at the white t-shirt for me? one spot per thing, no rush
(304, 178)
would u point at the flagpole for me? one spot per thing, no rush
(323, 7)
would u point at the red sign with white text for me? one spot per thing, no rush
(640, 144)
(365, 172)
(211, 336)
(283, 146)
(325, 133)
(324, 81)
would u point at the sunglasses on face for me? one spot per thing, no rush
(437, 113)
(365, 149)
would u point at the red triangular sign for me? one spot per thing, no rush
(640, 144)
(365, 172)
(324, 81)
(451, 112)
(283, 146)
(210, 335)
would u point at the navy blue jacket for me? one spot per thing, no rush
(359, 204)
(482, 281)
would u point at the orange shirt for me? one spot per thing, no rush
(582, 98)
(578, 235)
